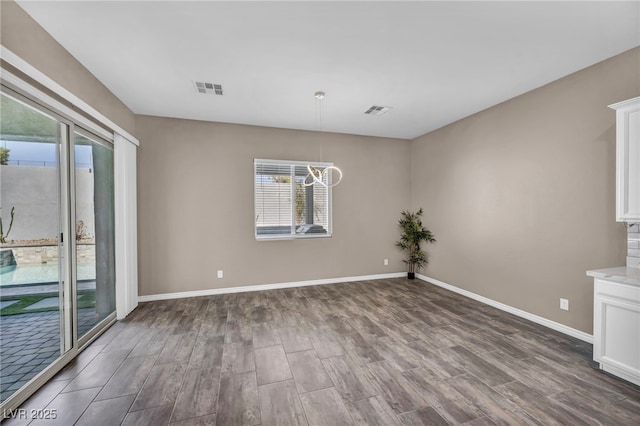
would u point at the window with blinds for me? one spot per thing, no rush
(287, 205)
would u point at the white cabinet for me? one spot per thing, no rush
(616, 328)
(627, 160)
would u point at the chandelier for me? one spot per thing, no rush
(316, 174)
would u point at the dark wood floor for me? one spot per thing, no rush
(381, 352)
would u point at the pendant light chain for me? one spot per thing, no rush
(319, 97)
(317, 175)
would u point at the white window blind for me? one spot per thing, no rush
(287, 208)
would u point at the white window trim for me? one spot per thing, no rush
(281, 237)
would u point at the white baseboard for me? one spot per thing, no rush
(515, 311)
(242, 289)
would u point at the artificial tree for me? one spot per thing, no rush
(413, 233)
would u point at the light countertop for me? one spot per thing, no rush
(621, 274)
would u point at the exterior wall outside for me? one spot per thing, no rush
(522, 195)
(33, 191)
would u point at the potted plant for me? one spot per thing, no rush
(413, 233)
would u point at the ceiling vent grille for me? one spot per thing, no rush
(208, 88)
(377, 110)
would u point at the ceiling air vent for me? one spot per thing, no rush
(208, 88)
(377, 110)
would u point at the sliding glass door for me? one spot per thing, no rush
(57, 257)
(94, 230)
(32, 268)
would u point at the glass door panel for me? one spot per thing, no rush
(94, 230)
(34, 330)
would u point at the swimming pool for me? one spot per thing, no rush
(38, 274)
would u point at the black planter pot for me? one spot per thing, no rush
(411, 275)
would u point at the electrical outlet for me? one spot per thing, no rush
(564, 304)
(220, 275)
(386, 262)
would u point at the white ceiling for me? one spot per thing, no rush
(433, 62)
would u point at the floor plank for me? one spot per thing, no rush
(440, 395)
(272, 365)
(491, 403)
(587, 408)
(68, 407)
(98, 371)
(106, 413)
(198, 395)
(325, 343)
(426, 416)
(372, 411)
(294, 339)
(238, 400)
(351, 381)
(396, 353)
(396, 389)
(150, 343)
(265, 335)
(177, 348)
(325, 407)
(308, 372)
(238, 358)
(526, 373)
(359, 348)
(486, 371)
(209, 420)
(129, 377)
(125, 340)
(207, 352)
(280, 405)
(547, 412)
(162, 386)
(150, 417)
(38, 401)
(79, 363)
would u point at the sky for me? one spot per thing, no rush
(36, 153)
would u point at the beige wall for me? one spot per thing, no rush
(521, 196)
(196, 212)
(27, 39)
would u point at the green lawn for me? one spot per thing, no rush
(86, 299)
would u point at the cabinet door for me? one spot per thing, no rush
(616, 334)
(628, 160)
